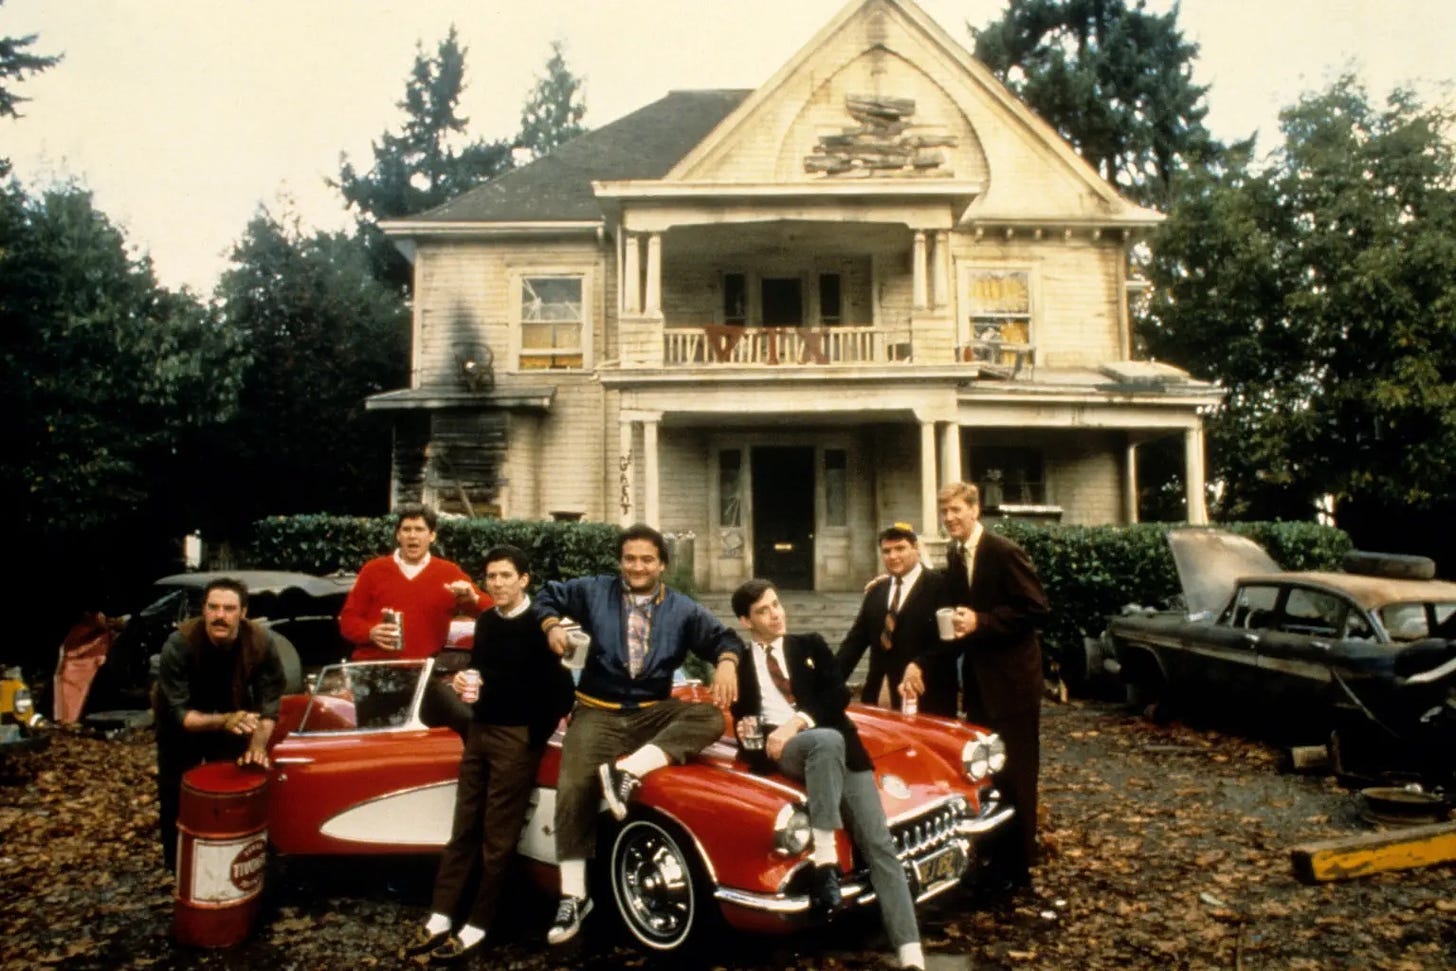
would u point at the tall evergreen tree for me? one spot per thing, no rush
(428, 161)
(554, 109)
(1115, 81)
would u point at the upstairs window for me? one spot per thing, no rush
(831, 310)
(735, 298)
(552, 322)
(996, 311)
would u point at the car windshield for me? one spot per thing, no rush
(368, 696)
(1416, 621)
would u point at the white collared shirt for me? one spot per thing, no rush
(907, 583)
(968, 551)
(411, 570)
(518, 609)
(775, 707)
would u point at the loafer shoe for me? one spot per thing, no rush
(422, 940)
(453, 950)
(824, 893)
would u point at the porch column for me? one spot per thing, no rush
(928, 483)
(918, 269)
(651, 509)
(652, 302)
(624, 470)
(950, 452)
(940, 270)
(632, 277)
(1193, 474)
(1130, 489)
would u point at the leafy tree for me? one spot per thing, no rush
(323, 336)
(426, 163)
(554, 109)
(105, 377)
(1115, 81)
(1320, 290)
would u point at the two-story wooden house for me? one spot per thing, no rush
(780, 318)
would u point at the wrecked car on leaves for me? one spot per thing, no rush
(1369, 653)
(355, 771)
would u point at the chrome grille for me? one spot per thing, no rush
(930, 830)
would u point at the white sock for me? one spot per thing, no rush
(573, 878)
(646, 759)
(437, 924)
(470, 935)
(911, 956)
(825, 853)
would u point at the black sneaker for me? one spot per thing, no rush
(569, 915)
(618, 786)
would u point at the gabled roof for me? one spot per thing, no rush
(558, 187)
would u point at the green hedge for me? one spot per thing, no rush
(1091, 572)
(325, 544)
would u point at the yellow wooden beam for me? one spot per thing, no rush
(1358, 856)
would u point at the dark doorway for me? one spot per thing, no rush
(783, 302)
(783, 515)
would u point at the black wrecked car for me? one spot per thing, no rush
(1365, 657)
(299, 608)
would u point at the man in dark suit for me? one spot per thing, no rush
(791, 684)
(999, 604)
(896, 624)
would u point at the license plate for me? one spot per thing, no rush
(947, 864)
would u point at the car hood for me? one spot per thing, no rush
(1210, 563)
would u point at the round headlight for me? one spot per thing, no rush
(975, 757)
(791, 831)
(997, 753)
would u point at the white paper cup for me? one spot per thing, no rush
(578, 643)
(471, 694)
(945, 622)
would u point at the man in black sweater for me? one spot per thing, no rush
(523, 692)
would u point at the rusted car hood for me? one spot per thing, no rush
(1210, 563)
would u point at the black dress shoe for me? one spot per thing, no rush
(824, 889)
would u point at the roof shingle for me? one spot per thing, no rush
(643, 145)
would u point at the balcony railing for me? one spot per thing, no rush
(769, 346)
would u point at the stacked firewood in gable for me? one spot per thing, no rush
(880, 144)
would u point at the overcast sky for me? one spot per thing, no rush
(184, 115)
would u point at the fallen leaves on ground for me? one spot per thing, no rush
(1164, 846)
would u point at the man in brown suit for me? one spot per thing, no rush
(999, 604)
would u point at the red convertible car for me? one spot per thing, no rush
(355, 771)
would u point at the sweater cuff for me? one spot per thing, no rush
(728, 656)
(549, 622)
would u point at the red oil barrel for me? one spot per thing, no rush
(222, 851)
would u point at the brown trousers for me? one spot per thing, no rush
(596, 735)
(497, 774)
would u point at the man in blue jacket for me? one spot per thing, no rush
(625, 723)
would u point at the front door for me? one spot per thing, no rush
(783, 515)
(783, 302)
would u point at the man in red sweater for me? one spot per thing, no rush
(402, 604)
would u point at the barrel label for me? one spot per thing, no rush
(228, 871)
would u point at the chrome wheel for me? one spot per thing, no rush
(652, 881)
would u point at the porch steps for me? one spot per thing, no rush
(829, 613)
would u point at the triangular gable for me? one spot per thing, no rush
(883, 86)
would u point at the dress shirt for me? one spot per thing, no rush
(968, 551)
(776, 708)
(907, 583)
(518, 609)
